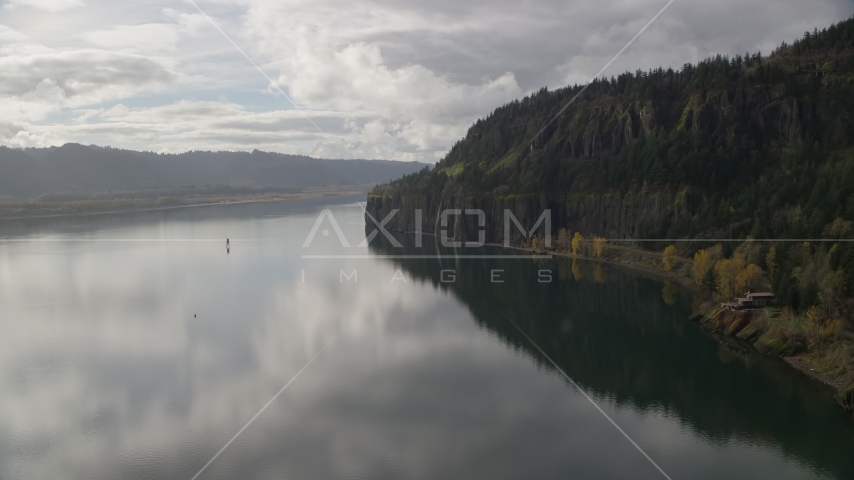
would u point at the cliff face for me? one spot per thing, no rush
(715, 147)
(772, 115)
(633, 215)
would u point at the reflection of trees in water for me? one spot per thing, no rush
(599, 274)
(668, 293)
(627, 339)
(576, 271)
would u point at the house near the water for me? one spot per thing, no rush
(752, 300)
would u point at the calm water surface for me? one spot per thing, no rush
(134, 346)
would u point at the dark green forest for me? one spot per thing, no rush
(735, 147)
(739, 169)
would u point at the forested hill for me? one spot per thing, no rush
(744, 144)
(732, 147)
(74, 168)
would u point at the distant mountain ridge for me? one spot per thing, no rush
(28, 173)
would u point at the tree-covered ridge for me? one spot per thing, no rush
(81, 171)
(709, 125)
(730, 148)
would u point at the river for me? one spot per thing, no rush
(137, 346)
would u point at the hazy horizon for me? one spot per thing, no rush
(110, 147)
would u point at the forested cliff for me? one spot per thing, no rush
(732, 147)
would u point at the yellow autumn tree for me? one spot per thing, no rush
(814, 318)
(577, 244)
(726, 272)
(563, 239)
(600, 247)
(748, 279)
(704, 260)
(669, 258)
(702, 264)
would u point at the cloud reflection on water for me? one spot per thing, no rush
(106, 373)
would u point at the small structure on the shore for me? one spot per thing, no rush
(760, 299)
(751, 300)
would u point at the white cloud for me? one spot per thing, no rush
(84, 74)
(394, 79)
(420, 111)
(214, 125)
(48, 5)
(147, 37)
(10, 36)
(35, 82)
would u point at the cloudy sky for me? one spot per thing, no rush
(396, 79)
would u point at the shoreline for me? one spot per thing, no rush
(755, 327)
(802, 363)
(630, 263)
(628, 258)
(683, 281)
(236, 200)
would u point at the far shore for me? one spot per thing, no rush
(34, 210)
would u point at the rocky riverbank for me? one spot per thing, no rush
(770, 331)
(779, 333)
